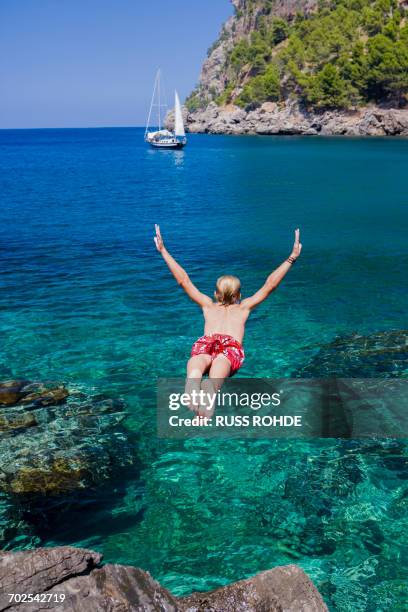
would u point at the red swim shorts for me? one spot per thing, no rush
(220, 344)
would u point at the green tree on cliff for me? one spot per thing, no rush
(265, 87)
(327, 89)
(387, 68)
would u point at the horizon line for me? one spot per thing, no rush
(78, 127)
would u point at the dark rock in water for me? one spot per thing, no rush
(75, 576)
(54, 443)
(46, 398)
(378, 355)
(11, 392)
(14, 392)
(13, 528)
(362, 385)
(16, 419)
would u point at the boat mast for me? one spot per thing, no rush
(152, 101)
(159, 97)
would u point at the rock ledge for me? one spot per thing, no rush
(293, 119)
(75, 575)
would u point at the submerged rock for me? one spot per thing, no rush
(377, 355)
(74, 575)
(54, 443)
(13, 528)
(14, 392)
(11, 392)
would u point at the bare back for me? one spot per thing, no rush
(228, 320)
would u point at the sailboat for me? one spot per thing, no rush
(162, 138)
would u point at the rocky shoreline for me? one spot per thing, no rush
(292, 119)
(72, 579)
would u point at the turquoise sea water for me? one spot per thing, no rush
(87, 300)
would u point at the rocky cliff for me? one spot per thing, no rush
(66, 579)
(303, 67)
(214, 77)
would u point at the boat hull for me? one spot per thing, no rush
(167, 145)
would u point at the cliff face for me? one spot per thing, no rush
(306, 67)
(213, 77)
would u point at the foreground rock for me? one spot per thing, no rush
(75, 576)
(282, 588)
(291, 118)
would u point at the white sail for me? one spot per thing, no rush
(178, 117)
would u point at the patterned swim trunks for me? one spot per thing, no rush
(220, 344)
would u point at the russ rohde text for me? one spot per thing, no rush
(237, 421)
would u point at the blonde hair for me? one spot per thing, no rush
(228, 290)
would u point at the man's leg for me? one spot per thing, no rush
(196, 368)
(219, 371)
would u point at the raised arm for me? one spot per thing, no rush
(179, 273)
(275, 278)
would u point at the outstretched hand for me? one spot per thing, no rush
(297, 246)
(158, 240)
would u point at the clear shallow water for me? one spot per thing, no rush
(86, 299)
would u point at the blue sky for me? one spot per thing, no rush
(87, 63)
